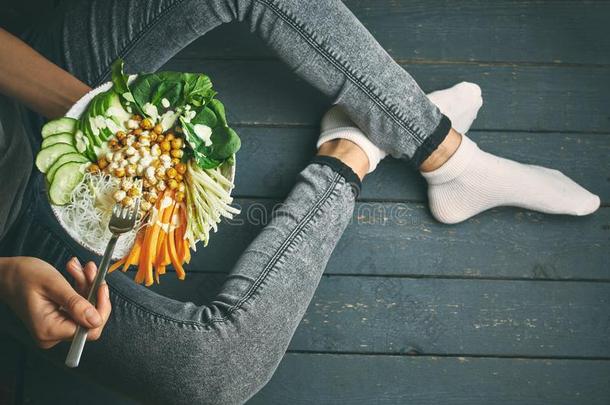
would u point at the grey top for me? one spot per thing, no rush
(15, 162)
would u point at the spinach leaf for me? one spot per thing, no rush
(219, 109)
(197, 89)
(197, 150)
(120, 86)
(144, 87)
(225, 143)
(205, 117)
(170, 90)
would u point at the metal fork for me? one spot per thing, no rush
(123, 220)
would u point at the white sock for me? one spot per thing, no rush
(460, 103)
(472, 181)
(336, 124)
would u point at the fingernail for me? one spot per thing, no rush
(77, 262)
(93, 317)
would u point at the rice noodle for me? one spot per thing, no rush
(87, 215)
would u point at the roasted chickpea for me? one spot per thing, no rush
(127, 201)
(181, 168)
(172, 184)
(113, 143)
(136, 117)
(171, 173)
(165, 145)
(158, 129)
(177, 143)
(153, 136)
(133, 192)
(179, 197)
(137, 131)
(119, 172)
(160, 138)
(176, 153)
(120, 135)
(93, 168)
(146, 123)
(170, 137)
(152, 198)
(175, 161)
(102, 162)
(179, 177)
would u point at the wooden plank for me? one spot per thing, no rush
(271, 158)
(517, 98)
(356, 379)
(304, 379)
(440, 316)
(402, 239)
(10, 370)
(500, 31)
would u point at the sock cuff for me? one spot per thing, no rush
(355, 135)
(455, 165)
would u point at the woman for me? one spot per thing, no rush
(159, 350)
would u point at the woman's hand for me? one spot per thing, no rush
(47, 304)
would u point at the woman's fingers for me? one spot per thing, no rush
(104, 308)
(75, 269)
(90, 270)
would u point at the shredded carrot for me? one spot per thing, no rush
(160, 244)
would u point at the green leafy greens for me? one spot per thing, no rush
(191, 94)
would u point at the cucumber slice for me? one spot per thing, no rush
(63, 159)
(59, 126)
(59, 138)
(65, 181)
(46, 157)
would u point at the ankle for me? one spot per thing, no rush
(347, 152)
(443, 153)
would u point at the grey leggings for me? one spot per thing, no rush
(157, 349)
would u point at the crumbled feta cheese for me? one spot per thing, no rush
(144, 141)
(155, 150)
(117, 157)
(151, 110)
(130, 151)
(132, 124)
(119, 195)
(145, 161)
(126, 184)
(165, 103)
(140, 170)
(133, 159)
(123, 163)
(109, 157)
(150, 172)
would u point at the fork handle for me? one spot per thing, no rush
(80, 337)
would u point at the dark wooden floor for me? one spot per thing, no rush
(509, 307)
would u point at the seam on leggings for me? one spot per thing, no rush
(342, 66)
(133, 42)
(304, 222)
(281, 250)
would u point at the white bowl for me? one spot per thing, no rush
(121, 248)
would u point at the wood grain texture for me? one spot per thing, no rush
(304, 379)
(438, 316)
(277, 155)
(443, 30)
(516, 98)
(402, 239)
